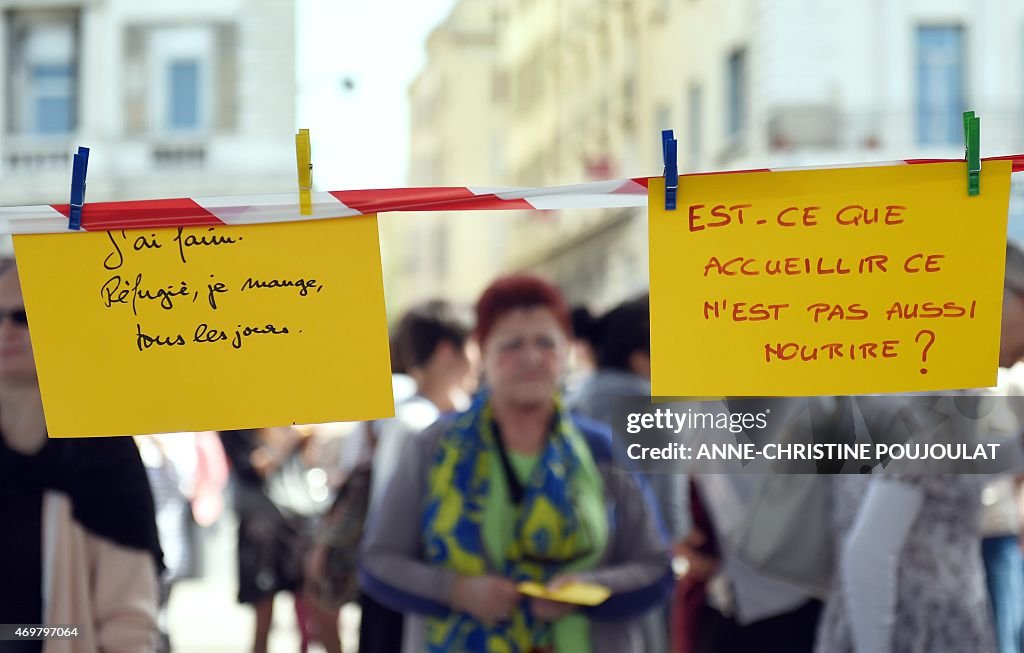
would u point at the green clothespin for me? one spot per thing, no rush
(972, 151)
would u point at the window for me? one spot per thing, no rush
(736, 93)
(42, 72)
(940, 85)
(180, 65)
(183, 112)
(180, 79)
(694, 125)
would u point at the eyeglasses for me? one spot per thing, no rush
(18, 316)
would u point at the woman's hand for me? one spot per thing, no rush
(699, 566)
(548, 610)
(489, 599)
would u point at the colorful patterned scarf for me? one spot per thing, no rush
(560, 525)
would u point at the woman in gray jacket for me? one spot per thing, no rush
(516, 489)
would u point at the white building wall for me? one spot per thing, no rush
(829, 81)
(255, 153)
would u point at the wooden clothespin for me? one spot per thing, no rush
(79, 169)
(671, 171)
(304, 166)
(972, 152)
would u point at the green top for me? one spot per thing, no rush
(522, 465)
(571, 633)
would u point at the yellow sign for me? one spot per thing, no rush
(576, 593)
(208, 328)
(840, 281)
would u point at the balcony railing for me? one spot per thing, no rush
(179, 156)
(28, 156)
(825, 127)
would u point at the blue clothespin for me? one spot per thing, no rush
(79, 168)
(668, 152)
(972, 152)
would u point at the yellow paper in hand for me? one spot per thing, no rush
(588, 594)
(839, 281)
(208, 328)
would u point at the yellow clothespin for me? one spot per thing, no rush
(305, 170)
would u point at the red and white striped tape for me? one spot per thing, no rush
(284, 207)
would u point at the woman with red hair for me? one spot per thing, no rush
(516, 489)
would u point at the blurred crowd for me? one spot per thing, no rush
(500, 470)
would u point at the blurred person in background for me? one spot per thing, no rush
(171, 477)
(1004, 564)
(211, 480)
(431, 348)
(699, 556)
(516, 489)
(276, 511)
(188, 475)
(911, 574)
(433, 341)
(331, 564)
(343, 453)
(621, 344)
(80, 543)
(1002, 507)
(746, 609)
(434, 344)
(582, 358)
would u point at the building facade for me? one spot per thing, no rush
(581, 90)
(177, 99)
(454, 142)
